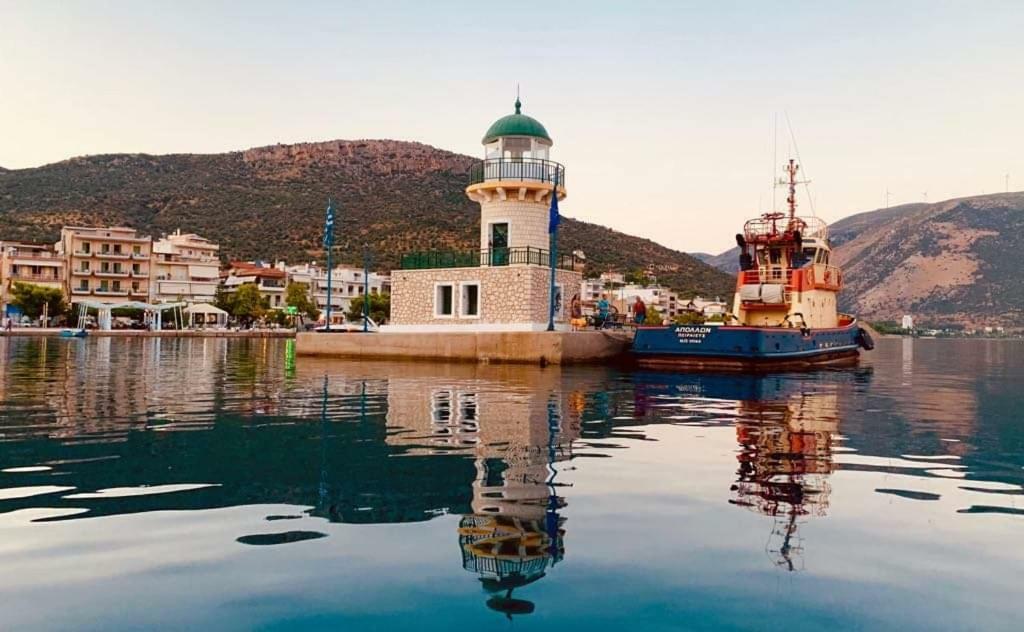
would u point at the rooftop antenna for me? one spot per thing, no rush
(1007, 182)
(887, 196)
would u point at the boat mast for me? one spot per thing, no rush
(791, 169)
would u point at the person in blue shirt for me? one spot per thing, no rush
(602, 310)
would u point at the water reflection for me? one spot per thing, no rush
(503, 457)
(785, 459)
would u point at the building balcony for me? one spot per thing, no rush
(494, 257)
(141, 274)
(82, 253)
(140, 255)
(517, 170)
(43, 257)
(36, 278)
(110, 292)
(79, 291)
(139, 293)
(112, 255)
(81, 272)
(121, 274)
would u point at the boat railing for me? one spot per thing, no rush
(820, 276)
(772, 226)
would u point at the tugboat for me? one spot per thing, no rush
(785, 313)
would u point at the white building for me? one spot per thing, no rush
(347, 283)
(908, 322)
(269, 280)
(185, 267)
(701, 305)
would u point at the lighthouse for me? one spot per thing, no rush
(513, 185)
(504, 285)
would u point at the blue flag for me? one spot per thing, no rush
(553, 217)
(329, 225)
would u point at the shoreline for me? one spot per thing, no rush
(164, 333)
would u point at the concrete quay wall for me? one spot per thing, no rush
(527, 347)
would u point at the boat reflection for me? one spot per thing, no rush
(785, 459)
(786, 428)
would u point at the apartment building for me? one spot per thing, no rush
(108, 265)
(347, 283)
(185, 267)
(25, 262)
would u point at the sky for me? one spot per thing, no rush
(672, 118)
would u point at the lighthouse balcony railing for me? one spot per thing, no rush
(493, 257)
(517, 169)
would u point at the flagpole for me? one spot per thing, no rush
(328, 246)
(329, 275)
(366, 288)
(553, 245)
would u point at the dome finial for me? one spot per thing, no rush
(519, 105)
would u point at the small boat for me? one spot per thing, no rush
(785, 311)
(73, 333)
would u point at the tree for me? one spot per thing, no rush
(380, 308)
(689, 318)
(225, 300)
(297, 295)
(653, 317)
(248, 305)
(30, 299)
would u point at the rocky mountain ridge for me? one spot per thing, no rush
(268, 202)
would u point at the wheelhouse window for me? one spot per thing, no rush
(444, 300)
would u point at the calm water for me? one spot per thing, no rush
(216, 484)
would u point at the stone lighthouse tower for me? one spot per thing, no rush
(505, 284)
(513, 184)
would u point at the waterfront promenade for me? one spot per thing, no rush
(164, 333)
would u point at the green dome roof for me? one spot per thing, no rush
(517, 124)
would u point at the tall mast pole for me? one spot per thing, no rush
(791, 169)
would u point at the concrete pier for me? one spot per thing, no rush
(524, 347)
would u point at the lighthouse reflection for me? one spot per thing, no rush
(515, 531)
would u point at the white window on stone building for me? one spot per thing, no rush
(444, 300)
(469, 299)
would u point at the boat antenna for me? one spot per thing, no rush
(775, 154)
(796, 150)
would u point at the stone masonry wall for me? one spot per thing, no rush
(508, 295)
(528, 221)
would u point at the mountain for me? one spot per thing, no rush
(952, 262)
(948, 262)
(268, 202)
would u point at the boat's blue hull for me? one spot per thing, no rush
(739, 348)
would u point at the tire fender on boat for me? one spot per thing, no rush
(864, 339)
